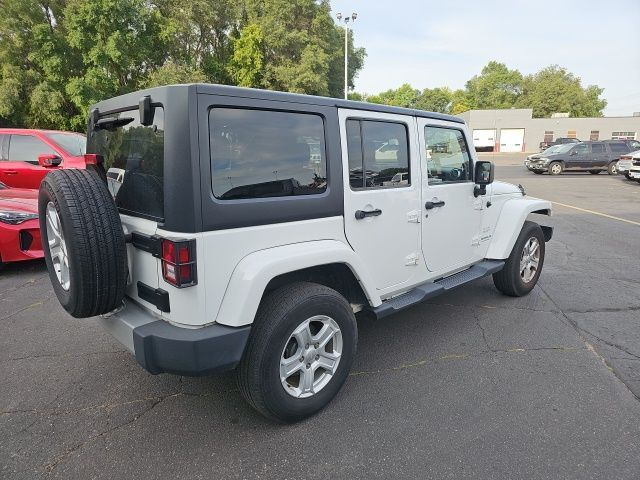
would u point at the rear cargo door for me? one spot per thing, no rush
(138, 152)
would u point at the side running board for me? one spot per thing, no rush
(433, 289)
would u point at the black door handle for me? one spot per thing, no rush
(360, 214)
(430, 205)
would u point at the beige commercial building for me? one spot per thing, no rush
(515, 130)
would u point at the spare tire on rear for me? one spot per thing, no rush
(83, 242)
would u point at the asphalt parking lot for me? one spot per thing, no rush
(470, 385)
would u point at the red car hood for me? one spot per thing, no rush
(19, 199)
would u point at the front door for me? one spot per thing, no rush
(579, 156)
(452, 215)
(22, 170)
(382, 195)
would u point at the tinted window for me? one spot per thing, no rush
(261, 153)
(378, 154)
(139, 150)
(448, 159)
(580, 149)
(26, 148)
(618, 148)
(597, 148)
(72, 143)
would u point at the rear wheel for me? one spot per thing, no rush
(300, 351)
(555, 168)
(612, 169)
(522, 269)
(83, 242)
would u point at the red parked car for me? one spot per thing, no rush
(19, 225)
(27, 155)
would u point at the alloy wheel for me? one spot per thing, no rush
(530, 260)
(311, 356)
(57, 246)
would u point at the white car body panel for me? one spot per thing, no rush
(511, 217)
(256, 270)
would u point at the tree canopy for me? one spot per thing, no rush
(58, 57)
(552, 89)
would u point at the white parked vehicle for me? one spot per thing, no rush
(626, 163)
(251, 226)
(115, 177)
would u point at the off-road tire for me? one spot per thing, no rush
(612, 168)
(508, 280)
(553, 168)
(94, 239)
(280, 312)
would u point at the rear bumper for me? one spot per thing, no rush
(164, 348)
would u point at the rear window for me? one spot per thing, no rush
(139, 151)
(72, 143)
(265, 153)
(618, 148)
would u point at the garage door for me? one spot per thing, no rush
(484, 139)
(512, 140)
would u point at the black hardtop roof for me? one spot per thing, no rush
(254, 93)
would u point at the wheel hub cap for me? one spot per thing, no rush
(57, 246)
(311, 356)
(530, 259)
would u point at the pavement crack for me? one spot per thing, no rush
(633, 308)
(581, 332)
(52, 465)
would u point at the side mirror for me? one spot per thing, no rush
(573, 152)
(49, 160)
(484, 173)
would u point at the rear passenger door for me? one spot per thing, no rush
(599, 155)
(382, 195)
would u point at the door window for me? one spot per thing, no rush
(378, 154)
(597, 148)
(580, 149)
(448, 159)
(27, 148)
(618, 148)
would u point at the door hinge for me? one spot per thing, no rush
(412, 259)
(413, 216)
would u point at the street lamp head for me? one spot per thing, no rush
(339, 16)
(346, 19)
(354, 15)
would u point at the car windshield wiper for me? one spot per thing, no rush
(112, 123)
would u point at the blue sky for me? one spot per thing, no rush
(444, 43)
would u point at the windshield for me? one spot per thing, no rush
(553, 149)
(562, 148)
(72, 143)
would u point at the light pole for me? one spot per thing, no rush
(353, 17)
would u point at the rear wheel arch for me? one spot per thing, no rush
(337, 276)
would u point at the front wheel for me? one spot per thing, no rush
(612, 169)
(555, 168)
(594, 172)
(522, 269)
(300, 351)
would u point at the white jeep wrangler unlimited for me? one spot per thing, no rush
(250, 226)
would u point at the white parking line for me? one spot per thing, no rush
(597, 213)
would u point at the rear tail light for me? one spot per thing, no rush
(179, 262)
(93, 159)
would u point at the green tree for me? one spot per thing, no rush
(495, 87)
(247, 63)
(554, 89)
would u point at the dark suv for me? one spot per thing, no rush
(593, 157)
